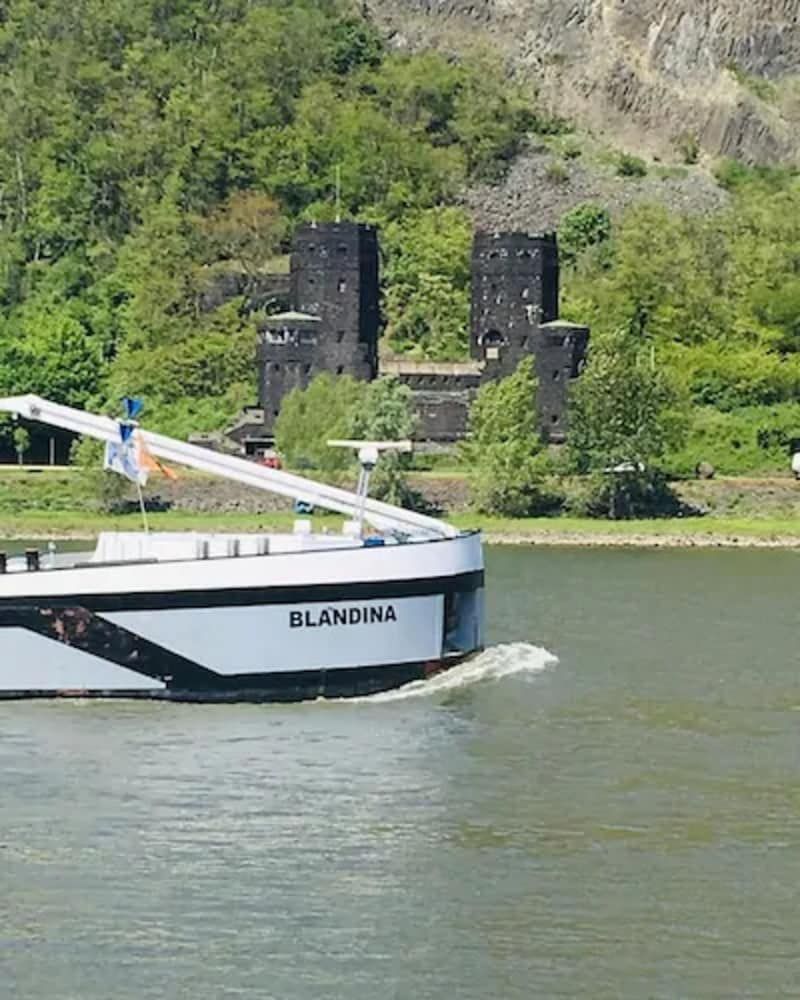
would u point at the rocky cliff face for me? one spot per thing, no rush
(649, 73)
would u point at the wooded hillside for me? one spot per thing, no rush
(147, 147)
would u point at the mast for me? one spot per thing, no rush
(381, 515)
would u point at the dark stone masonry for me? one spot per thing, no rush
(334, 326)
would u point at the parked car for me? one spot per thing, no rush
(269, 459)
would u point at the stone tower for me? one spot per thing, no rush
(335, 276)
(334, 324)
(515, 280)
(515, 303)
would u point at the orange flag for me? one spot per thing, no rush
(149, 462)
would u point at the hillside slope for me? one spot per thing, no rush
(648, 73)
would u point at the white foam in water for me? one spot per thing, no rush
(511, 659)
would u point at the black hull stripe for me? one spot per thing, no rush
(273, 688)
(249, 596)
(80, 629)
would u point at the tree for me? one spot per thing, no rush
(246, 229)
(22, 441)
(626, 414)
(311, 417)
(387, 414)
(427, 276)
(585, 226)
(505, 448)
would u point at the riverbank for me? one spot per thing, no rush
(63, 505)
(706, 532)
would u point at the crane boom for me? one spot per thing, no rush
(381, 515)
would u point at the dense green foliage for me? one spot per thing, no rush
(625, 409)
(583, 227)
(341, 408)
(387, 414)
(145, 146)
(311, 417)
(148, 148)
(627, 414)
(428, 282)
(717, 299)
(504, 449)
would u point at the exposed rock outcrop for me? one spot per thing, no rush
(646, 72)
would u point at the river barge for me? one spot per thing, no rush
(393, 597)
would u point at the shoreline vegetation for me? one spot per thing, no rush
(667, 533)
(63, 504)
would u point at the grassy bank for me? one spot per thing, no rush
(668, 533)
(709, 532)
(742, 512)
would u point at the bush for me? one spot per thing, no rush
(688, 145)
(511, 482)
(624, 495)
(748, 376)
(631, 166)
(587, 225)
(556, 173)
(753, 440)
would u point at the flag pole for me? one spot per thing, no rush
(142, 507)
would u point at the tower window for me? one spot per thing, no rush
(339, 336)
(526, 293)
(340, 369)
(342, 285)
(492, 342)
(276, 368)
(523, 342)
(275, 413)
(557, 375)
(311, 248)
(554, 418)
(342, 249)
(307, 369)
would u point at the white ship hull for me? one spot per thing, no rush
(326, 622)
(394, 597)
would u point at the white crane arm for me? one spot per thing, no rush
(381, 515)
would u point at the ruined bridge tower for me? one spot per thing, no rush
(335, 275)
(335, 321)
(515, 308)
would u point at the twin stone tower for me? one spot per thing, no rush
(334, 325)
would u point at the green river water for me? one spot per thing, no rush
(605, 805)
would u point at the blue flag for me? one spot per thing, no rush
(133, 407)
